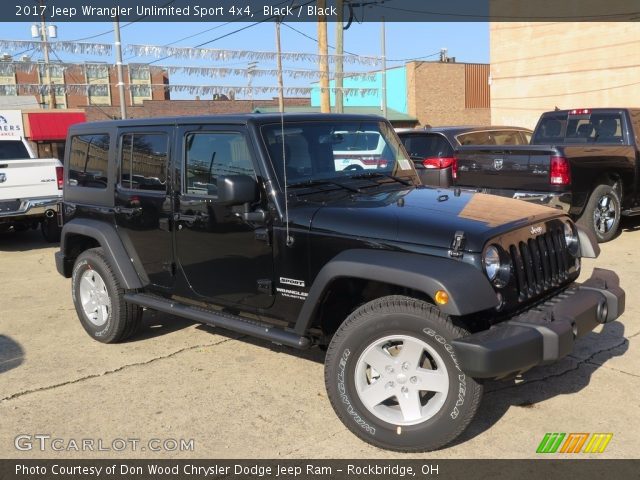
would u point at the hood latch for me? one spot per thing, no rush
(457, 245)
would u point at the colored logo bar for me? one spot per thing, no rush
(574, 443)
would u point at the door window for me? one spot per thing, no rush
(143, 164)
(211, 155)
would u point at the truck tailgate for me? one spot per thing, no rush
(521, 167)
(28, 178)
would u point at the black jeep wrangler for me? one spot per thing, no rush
(273, 226)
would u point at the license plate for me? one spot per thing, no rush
(10, 206)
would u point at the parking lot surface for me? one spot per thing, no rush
(237, 397)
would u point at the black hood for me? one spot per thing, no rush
(425, 216)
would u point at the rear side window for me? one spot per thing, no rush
(425, 146)
(89, 160)
(143, 164)
(506, 137)
(595, 128)
(476, 138)
(12, 150)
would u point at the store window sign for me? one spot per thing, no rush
(11, 126)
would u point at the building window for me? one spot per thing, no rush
(144, 161)
(57, 80)
(139, 72)
(89, 161)
(98, 79)
(7, 79)
(140, 93)
(99, 95)
(8, 91)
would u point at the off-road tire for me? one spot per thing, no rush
(124, 319)
(389, 316)
(588, 218)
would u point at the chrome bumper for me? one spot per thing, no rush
(32, 207)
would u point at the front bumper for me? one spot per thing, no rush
(543, 334)
(30, 207)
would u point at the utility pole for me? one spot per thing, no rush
(251, 68)
(339, 68)
(123, 101)
(47, 66)
(279, 64)
(323, 50)
(384, 72)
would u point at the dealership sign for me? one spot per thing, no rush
(11, 127)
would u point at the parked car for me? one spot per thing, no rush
(30, 189)
(417, 293)
(584, 161)
(432, 149)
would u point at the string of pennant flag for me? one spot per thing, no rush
(85, 88)
(211, 72)
(157, 51)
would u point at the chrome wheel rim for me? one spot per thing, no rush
(604, 215)
(94, 298)
(401, 380)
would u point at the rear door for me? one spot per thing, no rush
(143, 200)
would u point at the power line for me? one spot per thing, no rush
(357, 54)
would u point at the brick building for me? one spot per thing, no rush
(142, 82)
(430, 93)
(160, 108)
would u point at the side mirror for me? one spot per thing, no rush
(237, 190)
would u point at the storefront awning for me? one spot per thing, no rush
(52, 125)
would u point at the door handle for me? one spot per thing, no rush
(132, 212)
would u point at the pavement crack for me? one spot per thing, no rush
(13, 396)
(615, 369)
(579, 364)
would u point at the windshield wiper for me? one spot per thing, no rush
(315, 183)
(380, 174)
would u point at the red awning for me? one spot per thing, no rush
(52, 125)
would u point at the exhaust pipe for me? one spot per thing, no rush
(50, 213)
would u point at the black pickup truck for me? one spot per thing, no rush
(583, 161)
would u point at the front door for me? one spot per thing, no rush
(225, 259)
(143, 202)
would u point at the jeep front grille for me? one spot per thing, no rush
(540, 263)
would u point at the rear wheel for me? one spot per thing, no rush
(393, 378)
(602, 213)
(99, 299)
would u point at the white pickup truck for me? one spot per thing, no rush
(30, 189)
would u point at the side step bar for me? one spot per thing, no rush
(220, 319)
(631, 212)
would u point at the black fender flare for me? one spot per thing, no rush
(108, 238)
(469, 289)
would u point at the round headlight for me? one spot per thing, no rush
(491, 262)
(571, 239)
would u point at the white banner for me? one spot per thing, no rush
(11, 127)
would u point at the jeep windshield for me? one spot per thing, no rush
(332, 152)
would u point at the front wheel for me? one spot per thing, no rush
(393, 378)
(602, 213)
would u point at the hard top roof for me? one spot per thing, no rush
(226, 119)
